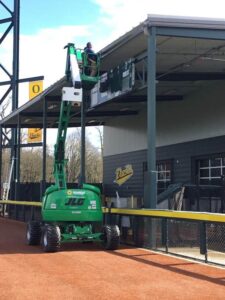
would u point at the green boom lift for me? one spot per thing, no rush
(72, 215)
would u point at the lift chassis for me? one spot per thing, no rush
(71, 215)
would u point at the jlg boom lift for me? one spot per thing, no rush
(71, 215)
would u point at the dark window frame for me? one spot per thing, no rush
(211, 179)
(158, 162)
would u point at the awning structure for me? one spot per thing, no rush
(184, 62)
(31, 114)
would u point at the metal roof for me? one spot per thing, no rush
(185, 22)
(164, 21)
(184, 64)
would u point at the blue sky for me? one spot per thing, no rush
(36, 15)
(47, 25)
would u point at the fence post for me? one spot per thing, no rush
(203, 240)
(32, 213)
(222, 193)
(165, 233)
(23, 213)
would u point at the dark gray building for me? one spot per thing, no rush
(161, 100)
(179, 63)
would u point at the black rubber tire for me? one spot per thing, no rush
(111, 237)
(33, 234)
(51, 238)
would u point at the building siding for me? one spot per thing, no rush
(182, 155)
(199, 116)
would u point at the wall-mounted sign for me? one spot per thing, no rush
(35, 88)
(122, 175)
(35, 134)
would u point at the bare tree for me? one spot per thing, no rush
(93, 163)
(31, 162)
(31, 165)
(99, 130)
(93, 159)
(4, 110)
(5, 164)
(73, 156)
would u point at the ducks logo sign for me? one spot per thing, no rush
(35, 134)
(122, 175)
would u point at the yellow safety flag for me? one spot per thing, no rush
(35, 134)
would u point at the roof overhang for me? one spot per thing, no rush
(190, 52)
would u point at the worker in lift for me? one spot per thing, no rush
(92, 60)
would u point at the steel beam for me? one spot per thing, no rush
(1, 184)
(6, 20)
(54, 124)
(5, 95)
(78, 114)
(29, 79)
(30, 145)
(6, 33)
(151, 185)
(211, 34)
(17, 162)
(44, 147)
(16, 32)
(6, 7)
(83, 137)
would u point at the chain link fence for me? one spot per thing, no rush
(215, 233)
(200, 240)
(196, 239)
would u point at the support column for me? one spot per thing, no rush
(16, 32)
(44, 147)
(15, 88)
(83, 136)
(17, 161)
(1, 148)
(150, 200)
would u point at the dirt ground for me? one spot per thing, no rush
(85, 271)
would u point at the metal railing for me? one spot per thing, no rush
(21, 210)
(195, 235)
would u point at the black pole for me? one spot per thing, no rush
(16, 32)
(203, 240)
(17, 162)
(43, 185)
(83, 133)
(1, 162)
(15, 77)
(150, 200)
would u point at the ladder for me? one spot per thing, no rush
(6, 185)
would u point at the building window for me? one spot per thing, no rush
(210, 170)
(164, 174)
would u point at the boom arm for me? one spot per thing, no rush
(73, 73)
(59, 153)
(76, 64)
